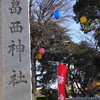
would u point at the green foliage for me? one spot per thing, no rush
(47, 33)
(86, 67)
(90, 9)
(59, 47)
(56, 47)
(88, 60)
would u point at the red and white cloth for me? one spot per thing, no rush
(62, 72)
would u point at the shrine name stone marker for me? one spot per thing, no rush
(15, 77)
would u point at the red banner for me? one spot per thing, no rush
(62, 71)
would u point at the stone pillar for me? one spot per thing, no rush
(15, 72)
(1, 67)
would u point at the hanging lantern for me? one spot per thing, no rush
(45, 70)
(41, 50)
(56, 14)
(39, 56)
(86, 88)
(83, 19)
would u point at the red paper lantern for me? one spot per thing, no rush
(86, 88)
(45, 70)
(41, 50)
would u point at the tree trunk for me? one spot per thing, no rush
(33, 75)
(33, 61)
